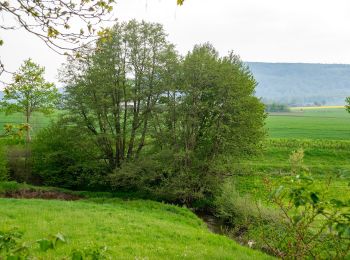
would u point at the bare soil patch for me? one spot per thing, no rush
(40, 194)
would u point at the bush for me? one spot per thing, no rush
(19, 163)
(64, 156)
(3, 164)
(314, 225)
(157, 176)
(241, 214)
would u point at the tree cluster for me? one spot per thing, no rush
(139, 100)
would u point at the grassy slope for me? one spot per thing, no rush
(129, 229)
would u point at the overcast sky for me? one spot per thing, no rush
(258, 30)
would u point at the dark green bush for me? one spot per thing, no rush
(3, 164)
(64, 156)
(159, 176)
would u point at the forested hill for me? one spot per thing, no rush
(302, 83)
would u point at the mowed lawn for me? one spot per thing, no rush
(119, 230)
(320, 123)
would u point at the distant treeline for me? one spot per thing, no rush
(298, 84)
(276, 107)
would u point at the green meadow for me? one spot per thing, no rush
(118, 229)
(139, 229)
(306, 123)
(323, 134)
(38, 120)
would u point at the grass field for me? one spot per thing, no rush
(119, 230)
(307, 123)
(38, 120)
(331, 123)
(323, 134)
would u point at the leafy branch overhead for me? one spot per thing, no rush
(55, 21)
(63, 25)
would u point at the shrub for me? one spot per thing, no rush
(64, 156)
(240, 212)
(314, 226)
(19, 164)
(157, 175)
(3, 164)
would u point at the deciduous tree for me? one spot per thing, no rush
(29, 93)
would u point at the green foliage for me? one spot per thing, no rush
(296, 160)
(3, 163)
(15, 131)
(180, 2)
(212, 112)
(64, 155)
(240, 211)
(160, 121)
(215, 112)
(29, 93)
(12, 246)
(90, 253)
(51, 21)
(114, 95)
(314, 225)
(347, 100)
(9, 240)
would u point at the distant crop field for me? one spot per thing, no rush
(326, 160)
(324, 135)
(332, 123)
(38, 120)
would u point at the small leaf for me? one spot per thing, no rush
(180, 2)
(314, 198)
(59, 238)
(297, 218)
(77, 255)
(45, 244)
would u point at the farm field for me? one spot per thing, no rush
(38, 120)
(331, 123)
(118, 229)
(323, 134)
(310, 123)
